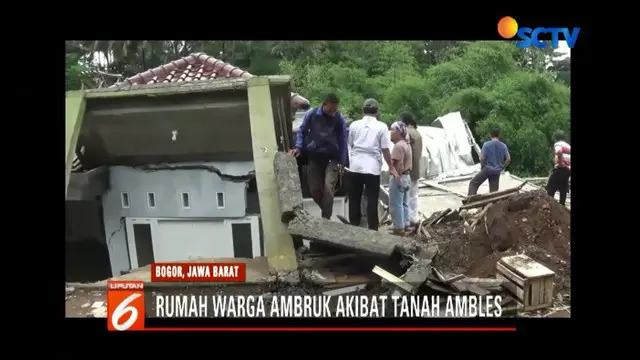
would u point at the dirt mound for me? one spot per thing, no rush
(532, 223)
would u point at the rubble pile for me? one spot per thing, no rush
(532, 223)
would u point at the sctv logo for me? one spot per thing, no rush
(508, 28)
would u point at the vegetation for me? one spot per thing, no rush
(524, 92)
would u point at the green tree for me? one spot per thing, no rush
(73, 73)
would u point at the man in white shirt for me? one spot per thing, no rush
(368, 142)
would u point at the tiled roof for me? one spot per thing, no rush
(198, 66)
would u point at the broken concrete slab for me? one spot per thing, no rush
(289, 187)
(417, 273)
(344, 236)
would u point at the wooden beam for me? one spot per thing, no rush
(394, 279)
(74, 114)
(278, 243)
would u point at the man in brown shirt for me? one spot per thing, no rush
(415, 142)
(400, 181)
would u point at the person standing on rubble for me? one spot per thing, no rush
(415, 142)
(559, 178)
(322, 137)
(400, 180)
(494, 158)
(368, 143)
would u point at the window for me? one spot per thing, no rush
(220, 200)
(151, 200)
(186, 202)
(124, 198)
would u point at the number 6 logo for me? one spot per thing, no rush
(122, 309)
(125, 299)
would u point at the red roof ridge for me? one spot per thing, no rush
(197, 66)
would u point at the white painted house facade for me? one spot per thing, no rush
(174, 215)
(183, 214)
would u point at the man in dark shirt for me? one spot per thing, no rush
(322, 137)
(494, 158)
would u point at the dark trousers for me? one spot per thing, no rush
(481, 177)
(322, 177)
(559, 181)
(370, 185)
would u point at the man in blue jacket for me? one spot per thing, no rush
(322, 137)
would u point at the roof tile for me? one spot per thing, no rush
(197, 66)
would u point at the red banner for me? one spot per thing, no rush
(198, 272)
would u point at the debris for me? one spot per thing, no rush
(545, 237)
(439, 217)
(344, 236)
(453, 278)
(345, 290)
(480, 216)
(325, 260)
(481, 203)
(445, 188)
(417, 273)
(477, 290)
(529, 281)
(393, 279)
(459, 284)
(479, 197)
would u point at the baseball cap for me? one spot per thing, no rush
(371, 103)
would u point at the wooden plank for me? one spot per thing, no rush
(289, 188)
(343, 236)
(548, 290)
(483, 282)
(454, 278)
(440, 216)
(480, 197)
(460, 286)
(508, 274)
(435, 185)
(277, 242)
(534, 293)
(456, 179)
(482, 203)
(512, 287)
(74, 115)
(477, 290)
(526, 266)
(393, 279)
(433, 285)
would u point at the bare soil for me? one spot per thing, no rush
(532, 223)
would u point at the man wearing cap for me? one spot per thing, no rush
(322, 137)
(368, 143)
(415, 142)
